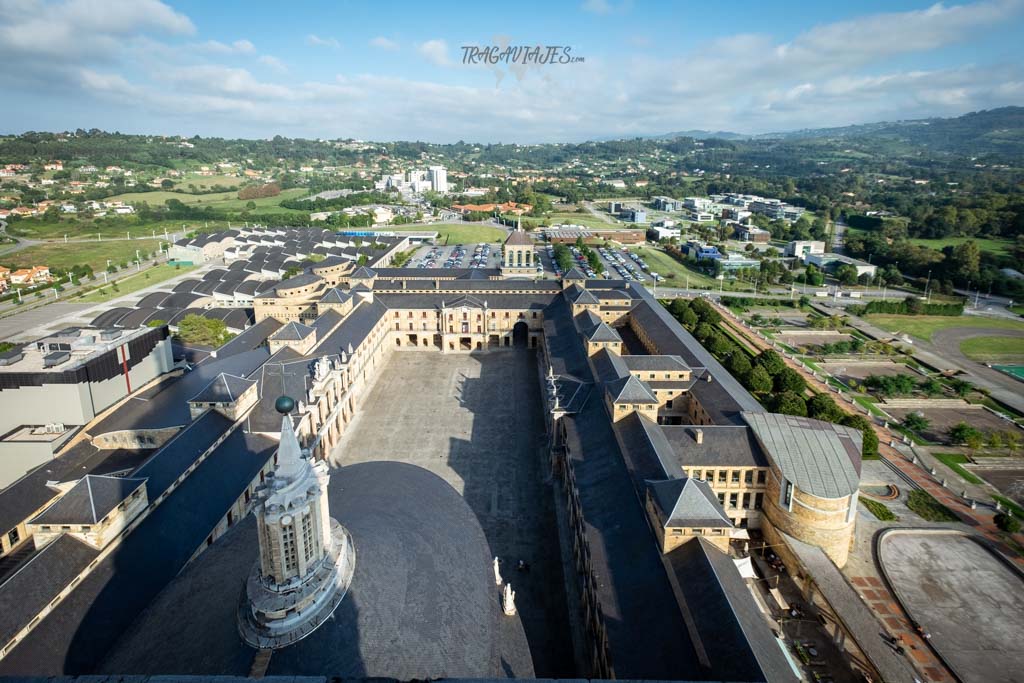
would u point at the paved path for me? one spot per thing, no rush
(943, 353)
(980, 520)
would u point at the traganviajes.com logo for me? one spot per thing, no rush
(524, 55)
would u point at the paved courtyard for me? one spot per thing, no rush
(475, 421)
(972, 603)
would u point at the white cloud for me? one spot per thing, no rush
(317, 41)
(745, 82)
(273, 62)
(74, 29)
(384, 43)
(597, 6)
(239, 47)
(435, 51)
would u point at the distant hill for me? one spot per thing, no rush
(998, 132)
(988, 132)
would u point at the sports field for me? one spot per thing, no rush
(994, 349)
(923, 326)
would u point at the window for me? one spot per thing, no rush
(746, 501)
(733, 500)
(721, 499)
(696, 474)
(786, 500)
(13, 536)
(761, 477)
(722, 476)
(735, 476)
(748, 477)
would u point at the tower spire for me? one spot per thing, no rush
(306, 557)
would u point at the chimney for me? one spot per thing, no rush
(698, 436)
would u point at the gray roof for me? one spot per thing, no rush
(587, 320)
(630, 390)
(728, 624)
(688, 503)
(586, 297)
(363, 272)
(603, 333)
(820, 458)
(574, 274)
(335, 296)
(224, 388)
(293, 331)
(89, 501)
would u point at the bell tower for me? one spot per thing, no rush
(306, 558)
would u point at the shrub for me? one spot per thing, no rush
(880, 512)
(1007, 522)
(928, 508)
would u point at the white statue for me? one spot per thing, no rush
(497, 572)
(344, 357)
(508, 602)
(556, 407)
(320, 368)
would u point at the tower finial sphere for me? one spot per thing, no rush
(284, 404)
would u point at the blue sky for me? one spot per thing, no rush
(392, 70)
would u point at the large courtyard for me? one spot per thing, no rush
(475, 421)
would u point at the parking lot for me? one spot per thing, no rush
(456, 256)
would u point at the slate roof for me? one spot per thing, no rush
(335, 296)
(603, 333)
(688, 503)
(224, 388)
(293, 331)
(88, 501)
(519, 238)
(630, 390)
(820, 458)
(586, 297)
(729, 626)
(363, 272)
(574, 274)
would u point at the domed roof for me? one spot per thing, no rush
(422, 603)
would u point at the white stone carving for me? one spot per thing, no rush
(497, 572)
(508, 601)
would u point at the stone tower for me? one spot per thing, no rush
(518, 257)
(306, 558)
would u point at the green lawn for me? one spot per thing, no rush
(878, 510)
(928, 508)
(955, 461)
(994, 349)
(1012, 505)
(993, 246)
(207, 181)
(588, 219)
(923, 326)
(134, 283)
(222, 201)
(456, 233)
(664, 265)
(93, 253)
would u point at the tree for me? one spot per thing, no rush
(167, 183)
(869, 446)
(771, 362)
(738, 364)
(790, 380)
(916, 422)
(195, 329)
(1007, 522)
(759, 381)
(822, 407)
(789, 403)
(962, 432)
(846, 274)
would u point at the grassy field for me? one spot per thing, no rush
(923, 326)
(223, 201)
(993, 246)
(663, 264)
(588, 219)
(95, 254)
(134, 283)
(457, 233)
(955, 461)
(930, 509)
(203, 182)
(994, 349)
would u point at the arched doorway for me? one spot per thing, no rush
(520, 335)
